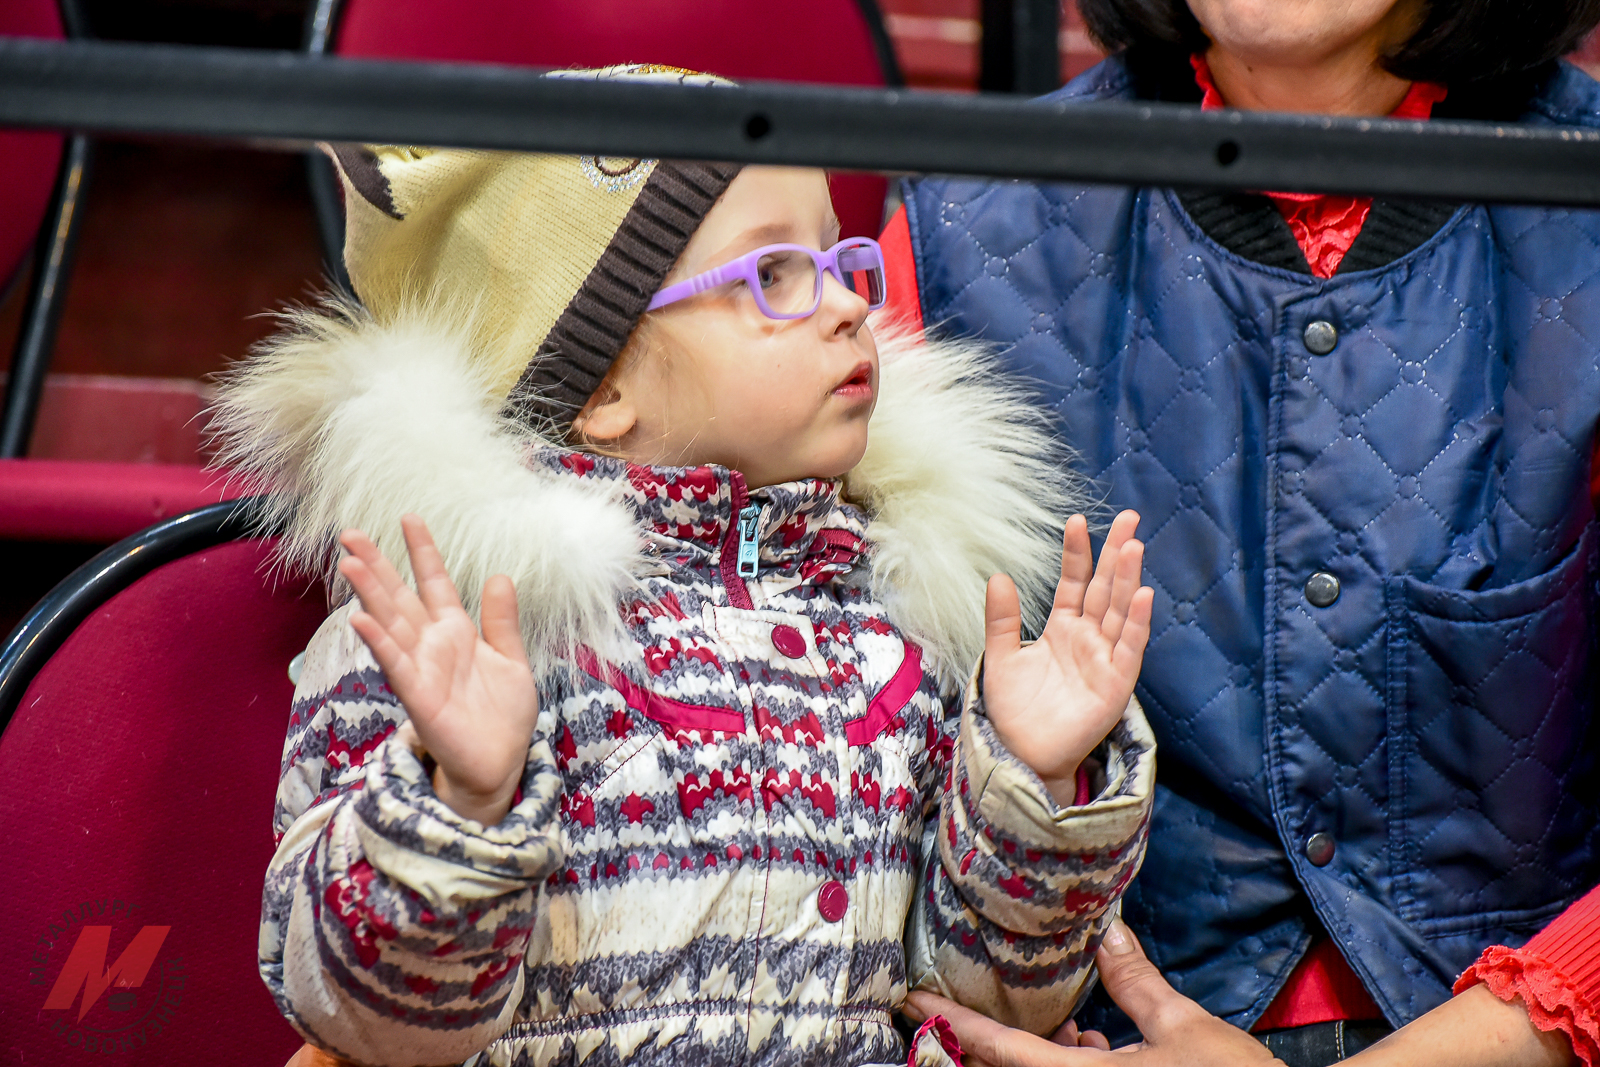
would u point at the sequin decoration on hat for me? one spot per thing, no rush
(615, 174)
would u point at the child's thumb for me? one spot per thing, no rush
(498, 618)
(1002, 618)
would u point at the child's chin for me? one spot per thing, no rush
(843, 461)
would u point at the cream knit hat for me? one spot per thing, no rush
(557, 256)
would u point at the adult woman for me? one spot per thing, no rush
(1360, 434)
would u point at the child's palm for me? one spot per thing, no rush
(471, 698)
(1052, 701)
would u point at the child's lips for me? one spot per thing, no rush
(858, 386)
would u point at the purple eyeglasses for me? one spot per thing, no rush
(786, 280)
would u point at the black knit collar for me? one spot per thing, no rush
(1249, 224)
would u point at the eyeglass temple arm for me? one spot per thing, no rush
(699, 283)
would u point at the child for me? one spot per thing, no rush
(720, 779)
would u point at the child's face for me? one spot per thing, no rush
(716, 381)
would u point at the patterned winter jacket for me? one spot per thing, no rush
(755, 812)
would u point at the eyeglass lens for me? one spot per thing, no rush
(788, 281)
(862, 269)
(789, 284)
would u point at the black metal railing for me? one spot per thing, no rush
(293, 99)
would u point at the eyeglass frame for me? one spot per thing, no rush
(745, 269)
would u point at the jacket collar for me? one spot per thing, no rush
(802, 528)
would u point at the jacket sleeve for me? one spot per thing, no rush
(1016, 891)
(392, 929)
(1557, 975)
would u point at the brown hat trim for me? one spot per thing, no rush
(591, 332)
(360, 166)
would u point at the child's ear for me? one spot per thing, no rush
(608, 417)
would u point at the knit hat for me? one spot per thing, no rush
(557, 256)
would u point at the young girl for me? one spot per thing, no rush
(721, 777)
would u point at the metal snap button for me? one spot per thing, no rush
(1322, 589)
(832, 900)
(1320, 849)
(1320, 337)
(787, 639)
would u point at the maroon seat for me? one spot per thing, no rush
(74, 500)
(828, 42)
(136, 788)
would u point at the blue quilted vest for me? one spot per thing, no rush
(1398, 750)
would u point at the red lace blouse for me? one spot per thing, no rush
(1557, 975)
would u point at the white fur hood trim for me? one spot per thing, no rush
(344, 422)
(962, 479)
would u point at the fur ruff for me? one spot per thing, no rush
(344, 422)
(962, 479)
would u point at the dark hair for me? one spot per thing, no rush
(1459, 41)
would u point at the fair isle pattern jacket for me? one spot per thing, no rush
(754, 814)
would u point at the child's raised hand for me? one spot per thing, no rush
(1053, 701)
(471, 698)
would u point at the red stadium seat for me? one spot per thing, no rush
(72, 500)
(147, 699)
(829, 42)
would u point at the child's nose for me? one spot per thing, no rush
(846, 308)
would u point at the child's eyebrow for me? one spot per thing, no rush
(770, 233)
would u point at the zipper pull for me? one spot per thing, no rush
(749, 549)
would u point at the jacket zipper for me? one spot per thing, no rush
(741, 552)
(749, 550)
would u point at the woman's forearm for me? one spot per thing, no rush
(1475, 1029)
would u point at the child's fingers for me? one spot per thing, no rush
(362, 547)
(1002, 618)
(405, 602)
(438, 592)
(501, 627)
(1098, 596)
(1077, 566)
(1125, 583)
(378, 602)
(396, 663)
(1128, 655)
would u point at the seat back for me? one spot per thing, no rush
(137, 777)
(830, 42)
(29, 159)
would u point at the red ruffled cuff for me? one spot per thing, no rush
(1553, 1001)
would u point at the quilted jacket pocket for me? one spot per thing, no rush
(1489, 701)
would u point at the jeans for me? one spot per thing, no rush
(1321, 1044)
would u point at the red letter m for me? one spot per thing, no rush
(86, 968)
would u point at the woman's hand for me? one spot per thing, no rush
(1177, 1031)
(471, 698)
(1053, 701)
(1475, 1029)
